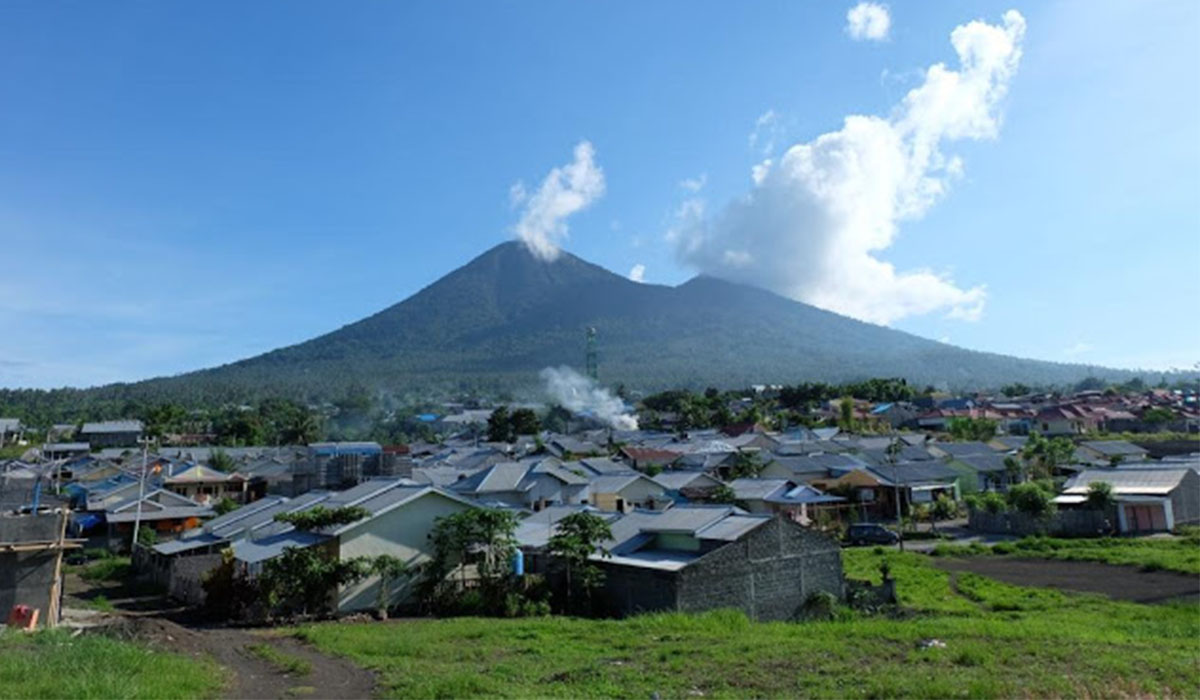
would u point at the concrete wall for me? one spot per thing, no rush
(1065, 523)
(402, 533)
(26, 577)
(769, 574)
(630, 590)
(1185, 500)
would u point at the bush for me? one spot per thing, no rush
(1032, 499)
(820, 605)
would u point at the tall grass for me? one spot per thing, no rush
(52, 664)
(1001, 641)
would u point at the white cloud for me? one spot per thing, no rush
(766, 133)
(637, 273)
(868, 20)
(517, 194)
(814, 222)
(694, 184)
(1078, 349)
(565, 191)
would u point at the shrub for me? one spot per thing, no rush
(1032, 499)
(820, 605)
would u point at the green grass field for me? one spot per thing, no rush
(53, 665)
(1001, 641)
(1180, 554)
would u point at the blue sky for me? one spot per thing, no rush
(183, 185)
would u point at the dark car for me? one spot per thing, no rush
(871, 533)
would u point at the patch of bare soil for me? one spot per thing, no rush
(1117, 582)
(249, 675)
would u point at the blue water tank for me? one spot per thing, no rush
(518, 563)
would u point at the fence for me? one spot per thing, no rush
(1067, 523)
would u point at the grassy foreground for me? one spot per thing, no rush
(1181, 554)
(51, 664)
(1001, 641)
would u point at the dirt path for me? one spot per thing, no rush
(1118, 582)
(251, 675)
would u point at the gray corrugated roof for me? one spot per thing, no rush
(112, 426)
(1113, 448)
(963, 449)
(732, 528)
(1129, 481)
(757, 489)
(256, 551)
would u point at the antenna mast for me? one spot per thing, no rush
(593, 365)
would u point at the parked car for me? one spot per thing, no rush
(871, 533)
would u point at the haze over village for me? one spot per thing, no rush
(819, 350)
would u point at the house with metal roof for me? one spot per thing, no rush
(530, 484)
(1148, 500)
(797, 502)
(624, 492)
(113, 433)
(694, 558)
(1102, 452)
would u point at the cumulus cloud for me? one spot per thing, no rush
(580, 394)
(868, 21)
(817, 217)
(637, 273)
(1078, 349)
(565, 191)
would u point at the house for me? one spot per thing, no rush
(895, 414)
(401, 516)
(167, 514)
(113, 433)
(207, 485)
(690, 559)
(797, 502)
(1148, 500)
(1060, 420)
(643, 458)
(951, 450)
(566, 447)
(1109, 452)
(982, 472)
(683, 486)
(11, 431)
(65, 450)
(529, 484)
(624, 492)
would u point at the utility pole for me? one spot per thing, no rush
(893, 449)
(137, 519)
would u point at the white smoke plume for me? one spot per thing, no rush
(815, 219)
(580, 394)
(566, 190)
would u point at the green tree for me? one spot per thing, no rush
(846, 414)
(1031, 498)
(1157, 417)
(484, 536)
(746, 465)
(320, 517)
(1045, 455)
(964, 428)
(221, 461)
(389, 569)
(576, 538)
(723, 494)
(943, 508)
(301, 581)
(225, 505)
(499, 426)
(1100, 496)
(524, 422)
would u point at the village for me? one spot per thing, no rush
(750, 515)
